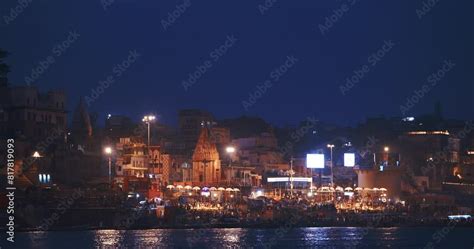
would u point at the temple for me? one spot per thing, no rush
(206, 163)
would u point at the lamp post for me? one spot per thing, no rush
(230, 150)
(148, 119)
(386, 149)
(330, 146)
(108, 152)
(291, 177)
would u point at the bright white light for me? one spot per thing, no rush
(259, 193)
(287, 179)
(315, 161)
(148, 118)
(310, 194)
(349, 159)
(108, 150)
(230, 149)
(36, 154)
(350, 194)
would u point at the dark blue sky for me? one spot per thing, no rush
(311, 87)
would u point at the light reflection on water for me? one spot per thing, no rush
(319, 237)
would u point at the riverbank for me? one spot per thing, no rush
(266, 225)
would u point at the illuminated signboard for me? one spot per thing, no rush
(349, 159)
(287, 179)
(315, 161)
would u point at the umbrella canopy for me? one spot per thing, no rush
(383, 189)
(212, 188)
(348, 189)
(236, 189)
(179, 187)
(205, 188)
(220, 188)
(340, 189)
(358, 189)
(324, 189)
(375, 189)
(196, 188)
(367, 189)
(188, 187)
(170, 186)
(229, 189)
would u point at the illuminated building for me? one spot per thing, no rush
(206, 163)
(431, 154)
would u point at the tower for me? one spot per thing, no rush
(206, 163)
(81, 127)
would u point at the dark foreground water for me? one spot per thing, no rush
(325, 237)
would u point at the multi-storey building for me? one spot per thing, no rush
(27, 113)
(190, 123)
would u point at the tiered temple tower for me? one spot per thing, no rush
(206, 163)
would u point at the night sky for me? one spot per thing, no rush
(259, 40)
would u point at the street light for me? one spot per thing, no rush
(108, 152)
(230, 150)
(36, 154)
(386, 149)
(148, 119)
(330, 146)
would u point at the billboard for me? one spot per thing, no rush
(315, 161)
(287, 179)
(349, 159)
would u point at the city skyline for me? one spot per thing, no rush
(229, 124)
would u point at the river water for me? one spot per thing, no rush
(318, 237)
